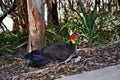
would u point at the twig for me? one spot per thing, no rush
(21, 45)
(18, 58)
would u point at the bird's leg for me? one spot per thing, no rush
(68, 59)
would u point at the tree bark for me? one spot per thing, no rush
(52, 12)
(36, 25)
(24, 15)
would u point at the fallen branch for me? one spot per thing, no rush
(21, 45)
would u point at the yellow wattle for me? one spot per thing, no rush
(73, 41)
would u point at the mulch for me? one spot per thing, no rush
(91, 59)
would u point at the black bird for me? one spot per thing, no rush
(34, 59)
(62, 51)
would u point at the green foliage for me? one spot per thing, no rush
(92, 26)
(9, 41)
(53, 35)
(111, 27)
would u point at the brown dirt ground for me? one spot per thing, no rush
(12, 67)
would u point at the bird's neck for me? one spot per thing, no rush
(72, 47)
(72, 41)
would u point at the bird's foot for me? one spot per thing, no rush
(76, 60)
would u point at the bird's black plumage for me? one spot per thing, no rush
(59, 52)
(34, 59)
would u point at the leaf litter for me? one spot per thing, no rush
(12, 67)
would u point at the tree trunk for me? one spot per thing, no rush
(24, 15)
(36, 25)
(52, 12)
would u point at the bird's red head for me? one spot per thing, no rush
(73, 38)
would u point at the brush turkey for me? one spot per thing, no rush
(61, 52)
